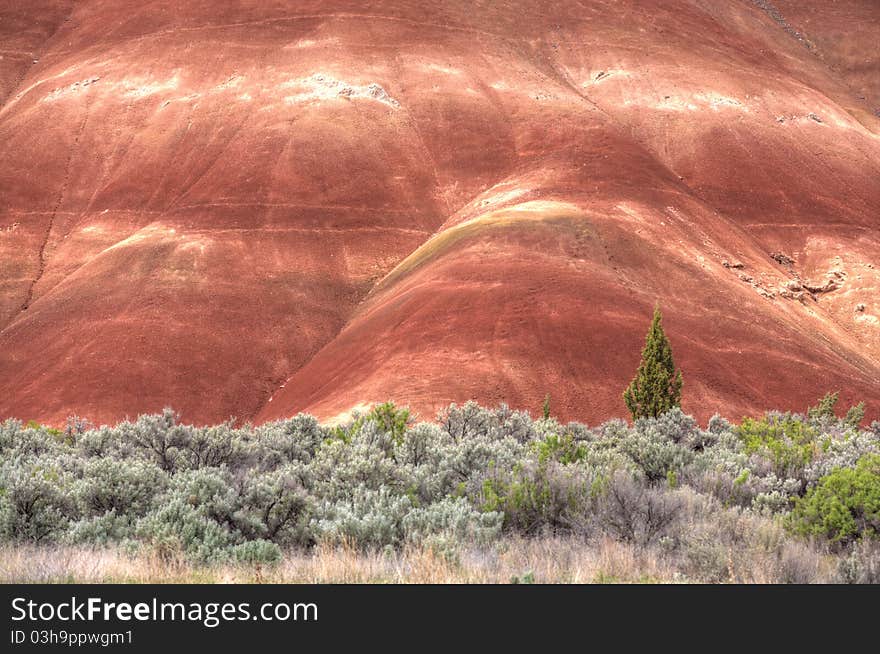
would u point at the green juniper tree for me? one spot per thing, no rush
(657, 386)
(825, 407)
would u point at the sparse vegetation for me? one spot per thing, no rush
(785, 497)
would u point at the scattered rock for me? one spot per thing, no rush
(734, 264)
(774, 14)
(800, 296)
(813, 116)
(860, 308)
(827, 287)
(758, 285)
(378, 93)
(782, 259)
(799, 289)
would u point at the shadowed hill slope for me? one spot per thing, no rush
(263, 209)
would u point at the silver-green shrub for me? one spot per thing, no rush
(35, 499)
(369, 518)
(256, 552)
(244, 493)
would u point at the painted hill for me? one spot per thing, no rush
(272, 207)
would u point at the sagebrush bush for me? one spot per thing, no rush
(121, 487)
(261, 552)
(861, 565)
(368, 518)
(35, 499)
(706, 499)
(449, 522)
(658, 445)
(636, 512)
(539, 496)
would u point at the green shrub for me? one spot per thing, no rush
(825, 407)
(207, 493)
(122, 487)
(35, 500)
(276, 506)
(844, 506)
(536, 497)
(855, 415)
(390, 419)
(369, 519)
(104, 530)
(211, 447)
(451, 521)
(654, 451)
(275, 444)
(180, 528)
(788, 442)
(157, 438)
(563, 449)
(256, 552)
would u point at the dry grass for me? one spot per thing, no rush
(543, 560)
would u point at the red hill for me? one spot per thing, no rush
(277, 207)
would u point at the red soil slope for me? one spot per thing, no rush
(272, 207)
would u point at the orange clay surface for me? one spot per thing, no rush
(257, 208)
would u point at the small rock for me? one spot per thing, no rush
(734, 264)
(782, 259)
(860, 308)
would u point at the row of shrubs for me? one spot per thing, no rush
(245, 493)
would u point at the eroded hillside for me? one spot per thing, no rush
(255, 210)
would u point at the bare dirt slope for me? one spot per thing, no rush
(262, 208)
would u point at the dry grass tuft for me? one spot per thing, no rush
(540, 560)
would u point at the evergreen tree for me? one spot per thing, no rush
(657, 386)
(855, 415)
(825, 407)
